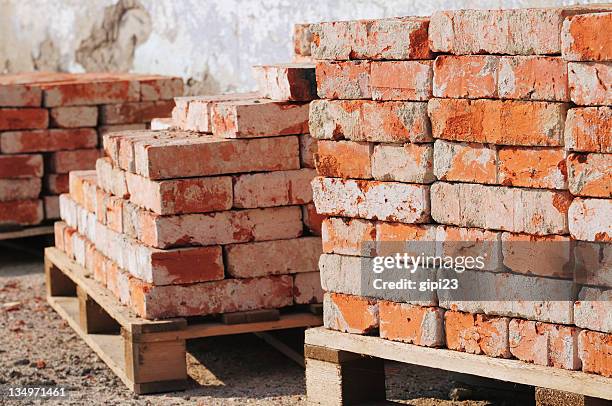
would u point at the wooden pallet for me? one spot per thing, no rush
(346, 369)
(148, 355)
(23, 232)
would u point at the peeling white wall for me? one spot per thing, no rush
(210, 43)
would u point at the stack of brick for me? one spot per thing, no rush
(459, 131)
(209, 216)
(52, 123)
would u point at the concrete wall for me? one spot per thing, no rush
(210, 43)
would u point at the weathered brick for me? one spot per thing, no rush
(344, 159)
(389, 38)
(348, 236)
(270, 189)
(308, 149)
(585, 219)
(477, 334)
(498, 121)
(412, 239)
(593, 309)
(386, 201)
(135, 112)
(110, 178)
(465, 162)
(59, 228)
(80, 92)
(226, 227)
(403, 163)
(273, 257)
(533, 78)
(589, 83)
(465, 76)
(511, 31)
(590, 174)
(78, 159)
(470, 242)
(23, 119)
(21, 212)
(12, 142)
(312, 220)
(548, 256)
(73, 117)
(178, 196)
(534, 168)
(589, 129)
(289, 81)
(364, 120)
(160, 88)
(259, 118)
(401, 80)
(106, 129)
(56, 183)
(158, 124)
(19, 95)
(302, 39)
(595, 351)
(21, 166)
(195, 113)
(307, 288)
(545, 344)
(343, 80)
(538, 212)
(200, 156)
(411, 324)
(51, 207)
(585, 37)
(350, 314)
(19, 189)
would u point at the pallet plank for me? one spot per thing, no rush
(24, 232)
(503, 369)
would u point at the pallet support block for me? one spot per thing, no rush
(341, 378)
(551, 397)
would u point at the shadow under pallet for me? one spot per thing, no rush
(149, 356)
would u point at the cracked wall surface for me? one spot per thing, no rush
(212, 44)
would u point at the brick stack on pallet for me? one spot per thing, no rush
(470, 133)
(210, 216)
(52, 123)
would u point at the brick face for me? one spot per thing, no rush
(401, 80)
(587, 83)
(584, 37)
(588, 129)
(344, 159)
(343, 80)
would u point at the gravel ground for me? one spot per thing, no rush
(38, 348)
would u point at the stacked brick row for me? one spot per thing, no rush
(471, 126)
(52, 123)
(210, 215)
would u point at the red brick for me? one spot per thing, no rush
(114, 214)
(312, 220)
(302, 39)
(343, 80)
(288, 81)
(533, 78)
(106, 129)
(477, 334)
(498, 122)
(545, 344)
(178, 196)
(59, 228)
(403, 163)
(348, 236)
(308, 149)
(74, 117)
(77, 184)
(590, 174)
(99, 267)
(365, 120)
(111, 179)
(19, 95)
(56, 183)
(137, 112)
(465, 76)
(51, 206)
(411, 324)
(48, 140)
(535, 168)
(79, 159)
(23, 119)
(547, 256)
(393, 237)
(307, 288)
(165, 123)
(586, 37)
(401, 80)
(273, 257)
(21, 166)
(389, 38)
(585, 219)
(200, 156)
(350, 314)
(21, 212)
(595, 351)
(258, 118)
(161, 88)
(589, 129)
(270, 189)
(80, 92)
(470, 242)
(592, 309)
(589, 83)
(344, 159)
(465, 162)
(19, 189)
